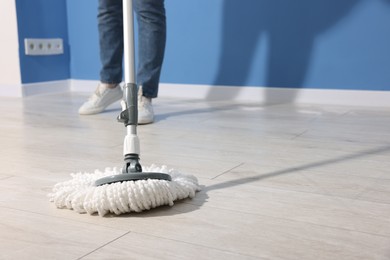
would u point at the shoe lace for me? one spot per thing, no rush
(95, 95)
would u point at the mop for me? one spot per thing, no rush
(130, 188)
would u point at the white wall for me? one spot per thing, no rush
(9, 46)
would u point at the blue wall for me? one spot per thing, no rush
(42, 19)
(83, 39)
(328, 44)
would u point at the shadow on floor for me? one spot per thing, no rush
(291, 170)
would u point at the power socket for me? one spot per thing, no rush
(51, 46)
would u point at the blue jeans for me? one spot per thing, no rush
(150, 15)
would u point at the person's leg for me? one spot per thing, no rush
(110, 25)
(151, 43)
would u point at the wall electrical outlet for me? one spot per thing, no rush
(52, 46)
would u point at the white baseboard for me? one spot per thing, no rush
(30, 89)
(79, 85)
(48, 87)
(11, 90)
(265, 95)
(261, 95)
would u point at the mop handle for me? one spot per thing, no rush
(128, 42)
(130, 87)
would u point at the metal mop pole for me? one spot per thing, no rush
(128, 41)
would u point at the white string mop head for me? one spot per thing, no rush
(81, 194)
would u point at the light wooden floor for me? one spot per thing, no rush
(279, 182)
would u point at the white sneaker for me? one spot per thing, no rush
(145, 109)
(102, 98)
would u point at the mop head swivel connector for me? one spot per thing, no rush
(132, 171)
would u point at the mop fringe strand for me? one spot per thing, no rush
(81, 195)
